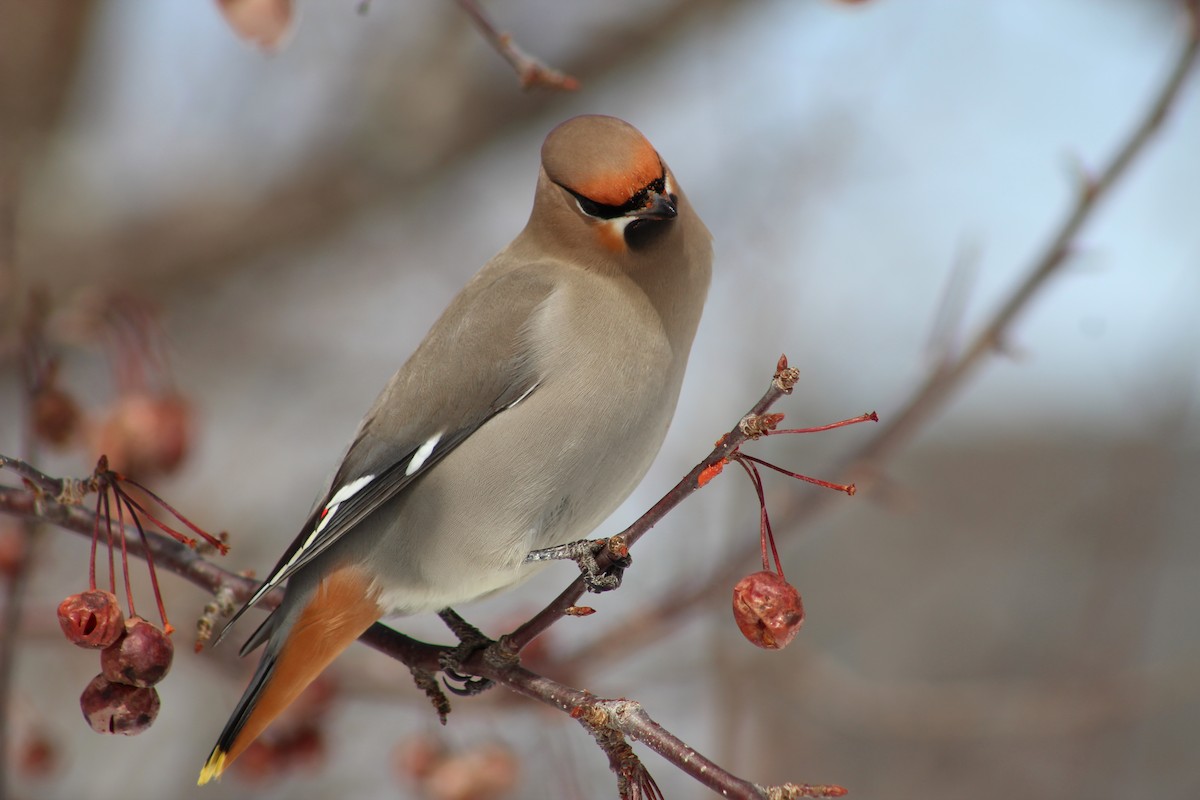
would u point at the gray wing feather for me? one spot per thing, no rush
(471, 366)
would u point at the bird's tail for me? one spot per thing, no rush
(339, 611)
(232, 742)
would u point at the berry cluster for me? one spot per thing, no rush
(147, 429)
(134, 656)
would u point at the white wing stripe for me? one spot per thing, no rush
(422, 455)
(346, 492)
(331, 508)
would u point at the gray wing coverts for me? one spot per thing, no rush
(472, 365)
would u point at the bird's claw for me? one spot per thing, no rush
(471, 639)
(584, 553)
(470, 685)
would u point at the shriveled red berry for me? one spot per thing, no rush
(265, 23)
(91, 619)
(489, 771)
(38, 756)
(142, 657)
(54, 416)
(13, 547)
(767, 609)
(146, 434)
(117, 707)
(415, 758)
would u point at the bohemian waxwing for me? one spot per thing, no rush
(530, 411)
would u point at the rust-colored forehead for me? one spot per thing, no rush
(602, 158)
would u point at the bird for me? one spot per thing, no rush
(531, 409)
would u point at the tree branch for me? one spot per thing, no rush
(531, 71)
(46, 500)
(942, 382)
(624, 716)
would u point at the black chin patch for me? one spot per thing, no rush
(641, 233)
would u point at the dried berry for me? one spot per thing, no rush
(265, 23)
(767, 609)
(490, 771)
(142, 657)
(13, 547)
(415, 758)
(118, 708)
(147, 434)
(38, 756)
(55, 416)
(91, 619)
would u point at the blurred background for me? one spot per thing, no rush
(1010, 611)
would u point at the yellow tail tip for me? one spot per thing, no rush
(213, 767)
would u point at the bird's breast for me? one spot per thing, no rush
(550, 469)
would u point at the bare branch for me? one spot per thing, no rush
(422, 657)
(168, 553)
(941, 383)
(531, 71)
(629, 718)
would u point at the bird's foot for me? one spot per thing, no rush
(585, 554)
(470, 640)
(427, 682)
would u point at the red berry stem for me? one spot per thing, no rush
(102, 500)
(765, 534)
(165, 528)
(162, 610)
(124, 550)
(95, 542)
(868, 417)
(104, 481)
(848, 488)
(214, 541)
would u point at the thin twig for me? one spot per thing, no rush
(168, 553)
(626, 716)
(52, 486)
(931, 395)
(530, 71)
(949, 319)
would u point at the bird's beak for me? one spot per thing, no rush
(659, 205)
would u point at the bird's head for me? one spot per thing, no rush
(604, 191)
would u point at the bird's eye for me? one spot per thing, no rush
(598, 210)
(629, 208)
(591, 208)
